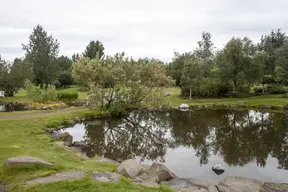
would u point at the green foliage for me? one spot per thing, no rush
(64, 63)
(134, 82)
(65, 79)
(269, 44)
(12, 77)
(42, 95)
(67, 96)
(94, 49)
(41, 52)
(236, 64)
(281, 70)
(275, 89)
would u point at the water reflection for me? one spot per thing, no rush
(238, 137)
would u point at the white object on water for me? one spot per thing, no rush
(184, 106)
(218, 169)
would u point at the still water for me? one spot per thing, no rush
(247, 143)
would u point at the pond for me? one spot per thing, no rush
(12, 106)
(247, 143)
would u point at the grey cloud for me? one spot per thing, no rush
(140, 28)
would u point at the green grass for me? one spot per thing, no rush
(26, 137)
(272, 100)
(175, 100)
(94, 186)
(21, 95)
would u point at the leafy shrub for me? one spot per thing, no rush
(275, 89)
(238, 94)
(42, 95)
(259, 90)
(208, 87)
(57, 84)
(65, 79)
(68, 96)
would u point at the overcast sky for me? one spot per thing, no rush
(152, 28)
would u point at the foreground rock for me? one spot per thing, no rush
(240, 184)
(272, 187)
(63, 136)
(218, 169)
(2, 188)
(162, 172)
(190, 185)
(105, 160)
(106, 176)
(129, 168)
(79, 144)
(26, 160)
(67, 176)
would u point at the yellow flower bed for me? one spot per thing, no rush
(47, 105)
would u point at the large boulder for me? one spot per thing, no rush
(26, 160)
(240, 184)
(129, 168)
(190, 185)
(218, 169)
(106, 177)
(79, 144)
(105, 160)
(67, 176)
(2, 188)
(59, 135)
(273, 187)
(63, 136)
(162, 172)
(68, 141)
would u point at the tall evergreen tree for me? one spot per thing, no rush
(41, 52)
(269, 44)
(94, 48)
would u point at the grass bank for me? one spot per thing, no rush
(255, 101)
(25, 136)
(175, 100)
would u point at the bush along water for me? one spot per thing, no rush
(68, 97)
(41, 94)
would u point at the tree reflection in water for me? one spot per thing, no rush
(240, 137)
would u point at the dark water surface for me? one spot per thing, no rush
(247, 143)
(10, 107)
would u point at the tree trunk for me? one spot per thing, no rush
(190, 93)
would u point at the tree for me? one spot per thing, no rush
(41, 52)
(134, 82)
(93, 49)
(205, 50)
(175, 68)
(192, 75)
(235, 63)
(269, 44)
(12, 76)
(75, 57)
(64, 63)
(281, 70)
(65, 79)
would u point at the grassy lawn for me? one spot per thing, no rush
(273, 100)
(26, 137)
(21, 96)
(175, 100)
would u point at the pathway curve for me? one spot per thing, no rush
(40, 114)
